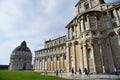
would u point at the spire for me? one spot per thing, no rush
(24, 43)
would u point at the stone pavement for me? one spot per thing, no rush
(85, 77)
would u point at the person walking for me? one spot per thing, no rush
(45, 71)
(72, 71)
(86, 71)
(61, 73)
(80, 71)
(57, 73)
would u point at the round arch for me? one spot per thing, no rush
(70, 44)
(76, 43)
(111, 34)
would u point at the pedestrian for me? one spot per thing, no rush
(61, 73)
(80, 71)
(57, 73)
(45, 72)
(72, 71)
(86, 71)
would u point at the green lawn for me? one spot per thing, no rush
(24, 75)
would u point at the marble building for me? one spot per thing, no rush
(52, 57)
(21, 58)
(92, 41)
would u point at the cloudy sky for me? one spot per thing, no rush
(33, 21)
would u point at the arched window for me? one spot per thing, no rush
(86, 5)
(89, 53)
(112, 34)
(51, 58)
(57, 58)
(64, 57)
(92, 21)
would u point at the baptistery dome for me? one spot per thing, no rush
(22, 47)
(21, 58)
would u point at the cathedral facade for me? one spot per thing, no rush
(21, 58)
(92, 41)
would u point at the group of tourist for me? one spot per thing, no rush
(85, 71)
(58, 72)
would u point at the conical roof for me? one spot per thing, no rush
(22, 47)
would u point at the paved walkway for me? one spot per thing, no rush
(92, 77)
(85, 77)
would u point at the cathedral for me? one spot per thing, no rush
(21, 58)
(92, 41)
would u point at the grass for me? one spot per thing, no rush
(24, 75)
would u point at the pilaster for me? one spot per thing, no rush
(92, 49)
(37, 64)
(68, 59)
(101, 55)
(85, 56)
(88, 20)
(43, 64)
(71, 33)
(110, 55)
(73, 58)
(82, 24)
(116, 16)
(81, 58)
(40, 65)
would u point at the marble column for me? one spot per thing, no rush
(36, 64)
(78, 29)
(112, 66)
(90, 3)
(51, 63)
(82, 24)
(85, 56)
(40, 65)
(58, 63)
(43, 63)
(101, 55)
(68, 58)
(48, 60)
(75, 30)
(93, 57)
(81, 58)
(55, 67)
(71, 33)
(68, 33)
(88, 21)
(118, 12)
(46, 63)
(79, 25)
(62, 62)
(73, 56)
(116, 16)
